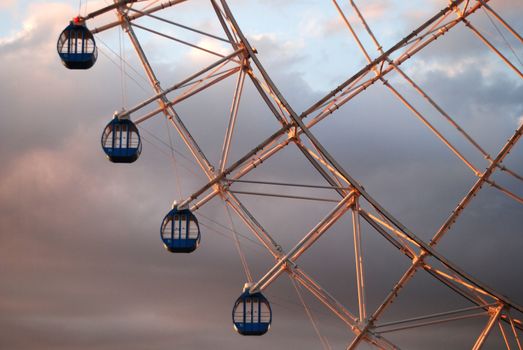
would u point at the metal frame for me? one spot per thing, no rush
(296, 129)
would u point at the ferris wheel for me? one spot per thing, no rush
(181, 231)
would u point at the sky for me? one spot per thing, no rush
(81, 260)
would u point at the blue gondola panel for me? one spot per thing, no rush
(180, 231)
(76, 46)
(252, 314)
(121, 141)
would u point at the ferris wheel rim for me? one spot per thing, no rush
(322, 160)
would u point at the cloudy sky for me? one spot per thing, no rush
(81, 260)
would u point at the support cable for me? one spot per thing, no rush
(102, 51)
(211, 228)
(339, 310)
(135, 71)
(436, 315)
(492, 47)
(246, 269)
(503, 37)
(323, 340)
(286, 196)
(177, 177)
(430, 323)
(189, 160)
(165, 153)
(216, 223)
(252, 224)
(208, 77)
(177, 40)
(296, 305)
(180, 25)
(502, 21)
(122, 73)
(85, 7)
(285, 184)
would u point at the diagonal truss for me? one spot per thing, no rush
(296, 129)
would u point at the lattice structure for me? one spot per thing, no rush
(295, 128)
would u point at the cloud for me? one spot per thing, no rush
(41, 22)
(376, 11)
(275, 51)
(6, 4)
(200, 56)
(24, 34)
